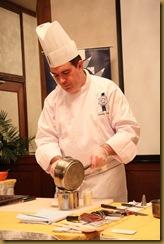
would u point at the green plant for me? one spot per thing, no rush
(11, 143)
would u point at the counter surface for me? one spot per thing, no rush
(147, 227)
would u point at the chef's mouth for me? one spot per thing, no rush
(66, 87)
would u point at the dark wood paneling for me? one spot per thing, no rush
(47, 185)
(31, 178)
(143, 177)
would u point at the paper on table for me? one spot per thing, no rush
(43, 216)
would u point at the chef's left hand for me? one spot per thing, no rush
(99, 157)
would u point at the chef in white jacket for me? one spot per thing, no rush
(86, 117)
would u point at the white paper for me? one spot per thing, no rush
(44, 216)
(120, 231)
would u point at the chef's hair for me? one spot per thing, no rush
(75, 60)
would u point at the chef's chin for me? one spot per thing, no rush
(71, 90)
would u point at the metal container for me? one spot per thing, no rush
(68, 199)
(156, 208)
(69, 174)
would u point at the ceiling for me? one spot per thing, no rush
(28, 4)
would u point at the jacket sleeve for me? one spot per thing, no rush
(127, 131)
(46, 138)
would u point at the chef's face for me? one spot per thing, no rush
(69, 77)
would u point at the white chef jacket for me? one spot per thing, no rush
(74, 124)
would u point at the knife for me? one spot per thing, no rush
(114, 207)
(130, 205)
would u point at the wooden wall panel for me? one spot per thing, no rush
(142, 178)
(31, 178)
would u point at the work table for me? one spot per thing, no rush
(146, 227)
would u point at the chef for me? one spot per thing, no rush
(86, 117)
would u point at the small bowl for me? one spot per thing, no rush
(3, 175)
(68, 199)
(156, 208)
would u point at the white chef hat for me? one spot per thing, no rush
(57, 45)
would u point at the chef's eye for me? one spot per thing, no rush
(66, 72)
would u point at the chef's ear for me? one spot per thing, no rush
(80, 64)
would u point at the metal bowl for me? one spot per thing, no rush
(156, 208)
(68, 174)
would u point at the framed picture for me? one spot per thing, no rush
(97, 61)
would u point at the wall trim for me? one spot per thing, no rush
(119, 46)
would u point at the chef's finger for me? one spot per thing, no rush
(52, 169)
(93, 162)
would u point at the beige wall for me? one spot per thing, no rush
(90, 23)
(11, 62)
(10, 43)
(93, 24)
(32, 70)
(141, 58)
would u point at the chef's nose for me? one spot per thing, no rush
(61, 79)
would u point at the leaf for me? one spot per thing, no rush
(11, 143)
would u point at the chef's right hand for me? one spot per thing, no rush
(53, 164)
(99, 157)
